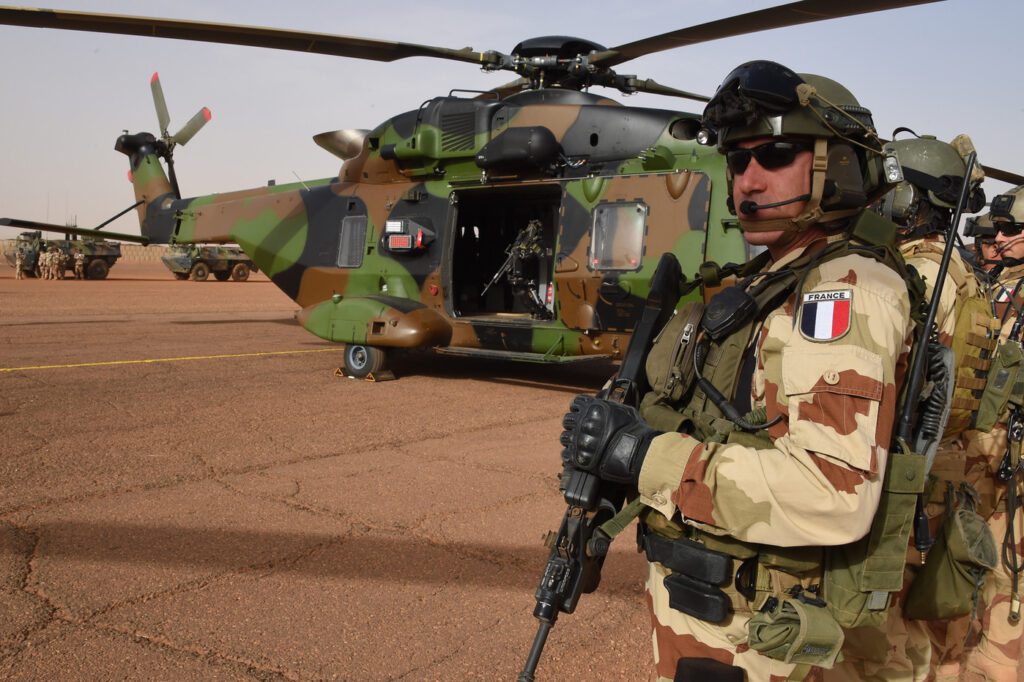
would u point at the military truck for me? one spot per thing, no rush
(100, 254)
(197, 261)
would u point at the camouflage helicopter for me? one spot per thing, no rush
(520, 223)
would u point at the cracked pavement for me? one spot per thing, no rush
(257, 518)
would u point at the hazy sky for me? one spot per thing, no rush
(65, 96)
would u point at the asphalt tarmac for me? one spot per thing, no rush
(190, 493)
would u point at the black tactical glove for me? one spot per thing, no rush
(606, 439)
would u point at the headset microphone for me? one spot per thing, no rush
(749, 207)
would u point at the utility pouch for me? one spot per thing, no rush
(729, 310)
(669, 368)
(1003, 380)
(697, 598)
(796, 631)
(689, 558)
(860, 576)
(949, 584)
(707, 670)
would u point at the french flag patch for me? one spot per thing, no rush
(825, 315)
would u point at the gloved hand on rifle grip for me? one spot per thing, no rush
(604, 438)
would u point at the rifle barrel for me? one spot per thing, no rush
(535, 651)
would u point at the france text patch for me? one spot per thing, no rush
(825, 315)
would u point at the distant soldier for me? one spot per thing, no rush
(19, 263)
(52, 261)
(79, 264)
(44, 262)
(62, 263)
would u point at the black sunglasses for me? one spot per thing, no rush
(1009, 228)
(770, 155)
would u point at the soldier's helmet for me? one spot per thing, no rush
(766, 99)
(933, 173)
(1007, 211)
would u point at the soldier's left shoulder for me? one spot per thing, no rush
(859, 272)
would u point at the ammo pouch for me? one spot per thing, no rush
(796, 631)
(949, 584)
(1002, 386)
(697, 572)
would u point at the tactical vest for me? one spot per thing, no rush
(975, 338)
(855, 580)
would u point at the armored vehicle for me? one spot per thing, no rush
(100, 254)
(197, 261)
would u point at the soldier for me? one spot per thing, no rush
(79, 264)
(984, 247)
(923, 205)
(44, 261)
(62, 263)
(760, 452)
(19, 263)
(992, 465)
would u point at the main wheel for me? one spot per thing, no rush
(240, 272)
(363, 360)
(97, 269)
(200, 271)
(222, 275)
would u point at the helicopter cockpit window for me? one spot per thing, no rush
(350, 245)
(617, 236)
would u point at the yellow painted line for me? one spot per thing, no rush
(181, 359)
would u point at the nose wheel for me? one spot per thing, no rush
(361, 361)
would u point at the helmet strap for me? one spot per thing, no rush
(813, 213)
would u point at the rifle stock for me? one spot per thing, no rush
(579, 548)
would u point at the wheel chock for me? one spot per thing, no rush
(383, 375)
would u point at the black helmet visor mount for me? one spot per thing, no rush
(750, 91)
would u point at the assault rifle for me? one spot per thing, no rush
(579, 548)
(931, 418)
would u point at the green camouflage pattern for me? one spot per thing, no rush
(221, 260)
(457, 165)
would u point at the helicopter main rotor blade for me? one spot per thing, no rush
(160, 103)
(655, 88)
(80, 231)
(793, 14)
(233, 34)
(1005, 176)
(192, 127)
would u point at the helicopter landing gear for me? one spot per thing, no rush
(362, 361)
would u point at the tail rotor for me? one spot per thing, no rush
(167, 141)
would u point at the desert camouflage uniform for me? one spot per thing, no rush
(19, 263)
(997, 651)
(819, 481)
(44, 264)
(62, 263)
(79, 265)
(902, 649)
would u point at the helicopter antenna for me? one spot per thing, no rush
(300, 180)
